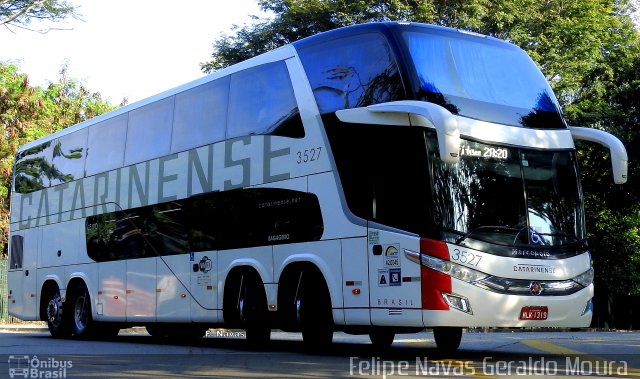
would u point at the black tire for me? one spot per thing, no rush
(381, 338)
(447, 338)
(314, 312)
(55, 314)
(176, 331)
(251, 308)
(105, 330)
(80, 318)
(186, 332)
(157, 331)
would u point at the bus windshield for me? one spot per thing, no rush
(508, 196)
(481, 78)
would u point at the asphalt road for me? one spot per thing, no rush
(133, 354)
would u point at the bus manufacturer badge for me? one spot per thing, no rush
(535, 288)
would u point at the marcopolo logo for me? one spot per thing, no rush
(24, 366)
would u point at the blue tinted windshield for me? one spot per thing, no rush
(482, 78)
(508, 195)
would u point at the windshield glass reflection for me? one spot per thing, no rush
(481, 78)
(507, 195)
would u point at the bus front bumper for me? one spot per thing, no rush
(484, 308)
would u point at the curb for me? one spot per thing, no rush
(35, 328)
(42, 328)
(25, 328)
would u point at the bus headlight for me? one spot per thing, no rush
(585, 279)
(500, 284)
(454, 270)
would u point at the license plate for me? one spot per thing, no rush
(534, 313)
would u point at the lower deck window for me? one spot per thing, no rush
(212, 221)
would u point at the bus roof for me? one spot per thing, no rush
(387, 27)
(278, 54)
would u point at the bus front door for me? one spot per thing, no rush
(204, 286)
(394, 282)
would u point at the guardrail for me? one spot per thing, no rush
(4, 306)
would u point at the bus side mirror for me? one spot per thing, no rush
(619, 158)
(415, 113)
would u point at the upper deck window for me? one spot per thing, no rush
(261, 101)
(352, 72)
(149, 131)
(482, 78)
(200, 115)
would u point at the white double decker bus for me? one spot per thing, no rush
(376, 179)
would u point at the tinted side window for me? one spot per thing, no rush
(114, 236)
(137, 233)
(254, 217)
(374, 163)
(167, 228)
(34, 169)
(149, 131)
(200, 115)
(352, 72)
(213, 221)
(261, 101)
(16, 256)
(106, 145)
(69, 154)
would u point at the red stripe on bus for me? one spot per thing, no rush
(434, 248)
(434, 283)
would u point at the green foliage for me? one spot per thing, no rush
(589, 50)
(615, 242)
(28, 113)
(296, 19)
(21, 13)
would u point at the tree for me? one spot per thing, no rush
(569, 39)
(296, 19)
(21, 13)
(589, 50)
(28, 113)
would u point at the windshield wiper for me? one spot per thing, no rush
(479, 228)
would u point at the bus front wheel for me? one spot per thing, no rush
(381, 338)
(447, 338)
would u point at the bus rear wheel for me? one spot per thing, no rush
(56, 315)
(245, 306)
(81, 319)
(252, 310)
(176, 331)
(187, 332)
(313, 311)
(447, 338)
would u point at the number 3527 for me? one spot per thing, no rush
(308, 155)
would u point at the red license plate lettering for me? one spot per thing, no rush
(534, 313)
